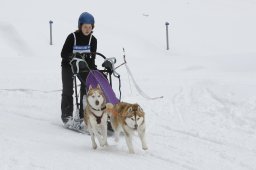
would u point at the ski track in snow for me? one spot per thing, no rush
(223, 146)
(30, 90)
(29, 117)
(174, 146)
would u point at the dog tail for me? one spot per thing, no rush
(109, 106)
(110, 109)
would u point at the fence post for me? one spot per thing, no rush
(167, 35)
(50, 22)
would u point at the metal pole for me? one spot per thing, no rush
(167, 35)
(77, 104)
(50, 22)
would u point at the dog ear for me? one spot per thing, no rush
(129, 110)
(140, 109)
(90, 87)
(98, 86)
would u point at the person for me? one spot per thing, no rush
(80, 41)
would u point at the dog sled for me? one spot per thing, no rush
(102, 77)
(99, 77)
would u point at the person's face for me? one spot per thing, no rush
(86, 29)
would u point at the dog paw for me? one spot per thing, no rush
(106, 144)
(145, 148)
(131, 152)
(94, 147)
(102, 144)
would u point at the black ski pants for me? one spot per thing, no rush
(68, 91)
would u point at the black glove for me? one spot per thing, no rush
(108, 65)
(91, 63)
(70, 57)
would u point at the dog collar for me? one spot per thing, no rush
(103, 108)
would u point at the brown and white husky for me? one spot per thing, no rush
(129, 118)
(95, 115)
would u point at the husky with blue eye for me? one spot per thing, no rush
(129, 118)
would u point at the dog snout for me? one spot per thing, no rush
(97, 102)
(135, 126)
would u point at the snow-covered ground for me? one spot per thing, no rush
(206, 120)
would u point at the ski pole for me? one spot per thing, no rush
(77, 105)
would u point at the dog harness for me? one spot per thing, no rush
(81, 48)
(98, 118)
